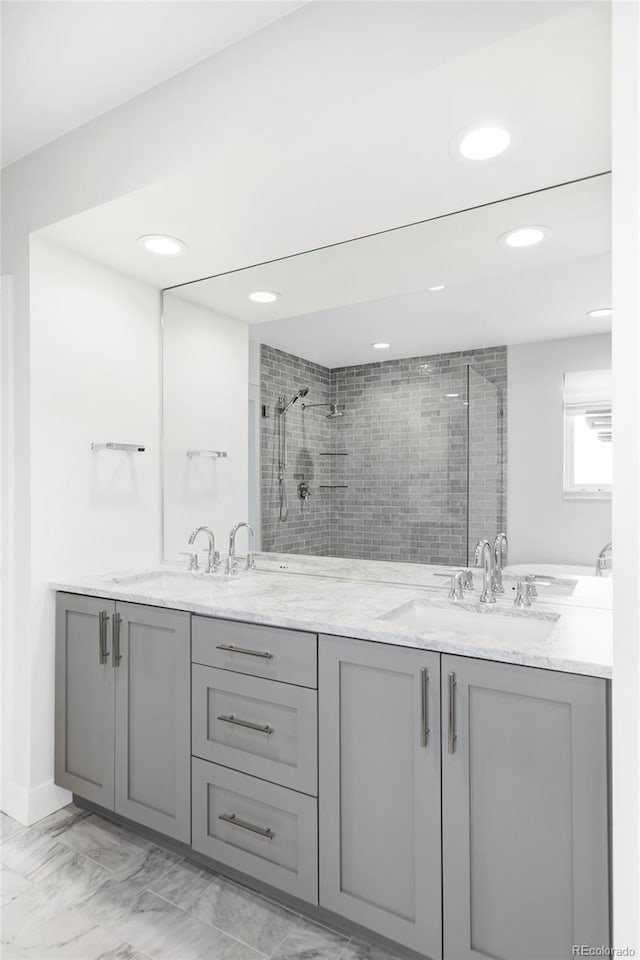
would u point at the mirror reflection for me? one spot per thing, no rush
(403, 396)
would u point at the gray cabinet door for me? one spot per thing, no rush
(525, 846)
(379, 789)
(84, 698)
(153, 737)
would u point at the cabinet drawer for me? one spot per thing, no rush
(270, 652)
(262, 728)
(265, 831)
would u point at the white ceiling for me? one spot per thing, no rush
(551, 81)
(548, 77)
(338, 301)
(65, 63)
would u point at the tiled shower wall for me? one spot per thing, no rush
(307, 528)
(396, 486)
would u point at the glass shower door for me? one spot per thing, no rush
(486, 479)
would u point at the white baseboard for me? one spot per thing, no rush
(28, 806)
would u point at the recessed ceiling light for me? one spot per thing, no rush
(381, 345)
(601, 312)
(483, 142)
(164, 246)
(525, 236)
(439, 286)
(452, 395)
(264, 296)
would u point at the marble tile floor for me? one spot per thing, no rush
(77, 887)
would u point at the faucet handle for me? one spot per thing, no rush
(456, 582)
(525, 590)
(192, 563)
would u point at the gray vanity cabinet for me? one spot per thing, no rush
(84, 709)
(153, 719)
(524, 767)
(123, 691)
(379, 789)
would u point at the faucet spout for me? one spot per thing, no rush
(485, 557)
(500, 548)
(232, 564)
(212, 560)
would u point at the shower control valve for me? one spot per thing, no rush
(304, 491)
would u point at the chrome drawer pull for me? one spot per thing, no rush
(245, 825)
(424, 706)
(249, 653)
(103, 620)
(246, 723)
(452, 714)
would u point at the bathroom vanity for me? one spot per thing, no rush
(446, 791)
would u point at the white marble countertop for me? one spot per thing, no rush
(352, 598)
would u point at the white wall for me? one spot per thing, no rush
(542, 526)
(94, 364)
(205, 406)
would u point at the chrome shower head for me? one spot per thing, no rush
(285, 404)
(334, 412)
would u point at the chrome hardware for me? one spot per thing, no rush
(246, 723)
(525, 590)
(232, 559)
(484, 555)
(500, 548)
(467, 580)
(304, 491)
(452, 735)
(192, 562)
(115, 643)
(127, 447)
(249, 653)
(424, 706)
(251, 561)
(212, 454)
(456, 585)
(603, 559)
(213, 559)
(245, 825)
(103, 620)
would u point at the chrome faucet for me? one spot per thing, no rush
(232, 560)
(603, 559)
(485, 556)
(213, 561)
(525, 591)
(500, 548)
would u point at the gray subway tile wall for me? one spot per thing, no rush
(389, 480)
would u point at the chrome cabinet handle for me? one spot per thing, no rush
(452, 714)
(245, 825)
(424, 706)
(117, 656)
(103, 619)
(245, 723)
(249, 653)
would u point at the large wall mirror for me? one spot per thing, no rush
(400, 396)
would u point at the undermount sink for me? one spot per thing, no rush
(517, 627)
(166, 580)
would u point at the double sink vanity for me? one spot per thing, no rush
(341, 734)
